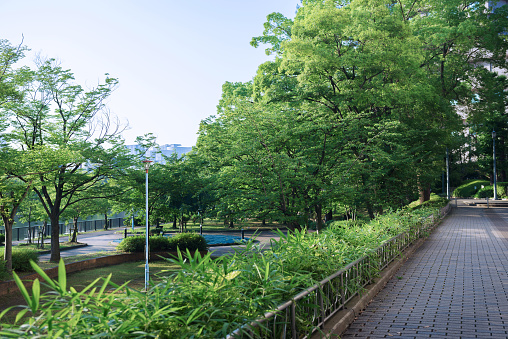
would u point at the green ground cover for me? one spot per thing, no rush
(210, 298)
(132, 273)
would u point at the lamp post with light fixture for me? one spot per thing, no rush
(494, 154)
(147, 164)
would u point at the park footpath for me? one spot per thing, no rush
(454, 286)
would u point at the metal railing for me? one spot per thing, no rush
(308, 311)
(22, 233)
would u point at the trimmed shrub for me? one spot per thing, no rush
(132, 244)
(488, 191)
(469, 189)
(159, 243)
(21, 259)
(435, 201)
(191, 241)
(2, 238)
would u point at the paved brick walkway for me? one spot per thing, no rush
(454, 286)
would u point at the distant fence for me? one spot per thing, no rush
(21, 233)
(301, 316)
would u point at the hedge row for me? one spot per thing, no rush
(183, 241)
(20, 259)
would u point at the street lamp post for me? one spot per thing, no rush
(448, 196)
(494, 154)
(147, 166)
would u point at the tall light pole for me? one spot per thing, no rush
(447, 175)
(147, 164)
(494, 153)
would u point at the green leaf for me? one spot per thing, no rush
(36, 290)
(43, 274)
(22, 289)
(62, 277)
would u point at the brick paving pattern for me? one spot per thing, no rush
(454, 286)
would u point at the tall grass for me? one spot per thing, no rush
(206, 298)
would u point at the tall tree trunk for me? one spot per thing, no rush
(370, 210)
(30, 231)
(55, 238)
(174, 222)
(319, 217)
(43, 232)
(424, 193)
(74, 236)
(105, 221)
(329, 216)
(8, 242)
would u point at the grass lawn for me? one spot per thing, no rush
(132, 271)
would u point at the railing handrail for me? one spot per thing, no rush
(307, 291)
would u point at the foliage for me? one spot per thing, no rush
(485, 192)
(183, 241)
(434, 201)
(470, 188)
(2, 238)
(488, 191)
(207, 298)
(69, 129)
(21, 258)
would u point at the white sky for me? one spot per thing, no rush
(171, 57)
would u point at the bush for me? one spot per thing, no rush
(469, 189)
(190, 241)
(3, 271)
(488, 191)
(211, 298)
(21, 259)
(435, 201)
(2, 238)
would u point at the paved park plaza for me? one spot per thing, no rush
(454, 286)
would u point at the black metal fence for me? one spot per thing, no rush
(309, 310)
(21, 233)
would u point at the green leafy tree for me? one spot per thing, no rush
(60, 115)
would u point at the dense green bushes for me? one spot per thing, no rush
(210, 298)
(435, 201)
(21, 259)
(470, 188)
(190, 241)
(488, 191)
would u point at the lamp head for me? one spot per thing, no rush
(147, 164)
(493, 134)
